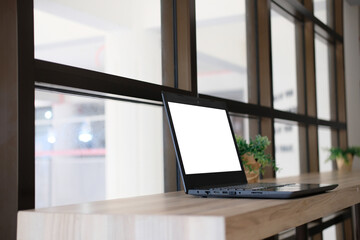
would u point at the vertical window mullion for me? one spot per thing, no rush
(169, 78)
(26, 111)
(252, 52)
(312, 140)
(264, 73)
(185, 46)
(264, 39)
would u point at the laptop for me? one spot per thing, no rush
(208, 157)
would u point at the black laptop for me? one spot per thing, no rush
(208, 157)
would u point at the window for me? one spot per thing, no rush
(89, 149)
(325, 85)
(326, 141)
(89, 57)
(245, 126)
(121, 38)
(320, 10)
(323, 10)
(287, 148)
(221, 49)
(283, 62)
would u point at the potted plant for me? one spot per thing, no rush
(344, 157)
(253, 156)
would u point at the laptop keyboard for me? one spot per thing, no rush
(252, 186)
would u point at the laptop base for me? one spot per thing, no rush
(285, 191)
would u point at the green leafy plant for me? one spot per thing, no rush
(256, 148)
(337, 152)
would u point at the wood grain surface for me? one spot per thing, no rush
(179, 216)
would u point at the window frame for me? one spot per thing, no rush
(179, 68)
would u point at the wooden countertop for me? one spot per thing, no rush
(179, 216)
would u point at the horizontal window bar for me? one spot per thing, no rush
(96, 84)
(85, 93)
(261, 111)
(77, 78)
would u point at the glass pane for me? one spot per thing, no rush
(330, 233)
(117, 37)
(244, 126)
(323, 10)
(221, 49)
(320, 10)
(324, 83)
(90, 149)
(287, 153)
(283, 53)
(325, 143)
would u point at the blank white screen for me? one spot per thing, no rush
(204, 138)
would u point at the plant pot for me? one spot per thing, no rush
(251, 176)
(342, 165)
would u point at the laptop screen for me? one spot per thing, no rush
(205, 139)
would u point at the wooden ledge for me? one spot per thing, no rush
(179, 216)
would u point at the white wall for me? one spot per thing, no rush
(352, 73)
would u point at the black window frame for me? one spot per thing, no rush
(38, 74)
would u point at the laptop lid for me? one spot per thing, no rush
(204, 142)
